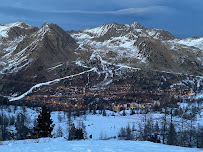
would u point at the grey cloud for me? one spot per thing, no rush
(144, 10)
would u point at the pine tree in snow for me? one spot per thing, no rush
(44, 125)
(172, 135)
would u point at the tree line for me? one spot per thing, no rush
(18, 127)
(185, 133)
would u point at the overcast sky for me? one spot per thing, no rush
(183, 18)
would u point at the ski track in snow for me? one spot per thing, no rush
(47, 83)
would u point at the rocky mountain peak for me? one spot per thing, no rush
(48, 44)
(133, 30)
(43, 30)
(136, 25)
(160, 34)
(16, 29)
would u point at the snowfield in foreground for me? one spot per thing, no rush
(62, 145)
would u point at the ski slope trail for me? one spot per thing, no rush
(47, 83)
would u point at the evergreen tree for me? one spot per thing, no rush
(132, 112)
(72, 132)
(164, 127)
(104, 112)
(172, 136)
(124, 114)
(44, 125)
(22, 130)
(146, 133)
(75, 133)
(77, 112)
(94, 110)
(129, 135)
(122, 133)
(4, 135)
(84, 130)
(79, 134)
(140, 134)
(133, 127)
(156, 129)
(200, 134)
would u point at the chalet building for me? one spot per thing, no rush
(128, 106)
(135, 105)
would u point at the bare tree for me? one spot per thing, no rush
(59, 132)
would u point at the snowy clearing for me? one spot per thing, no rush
(62, 145)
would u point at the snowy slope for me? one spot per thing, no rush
(122, 45)
(190, 42)
(4, 29)
(100, 31)
(10, 61)
(100, 127)
(62, 145)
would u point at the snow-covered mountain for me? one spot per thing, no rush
(36, 45)
(27, 56)
(137, 46)
(31, 56)
(10, 37)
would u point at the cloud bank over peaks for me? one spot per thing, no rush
(126, 11)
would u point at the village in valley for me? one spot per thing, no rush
(113, 97)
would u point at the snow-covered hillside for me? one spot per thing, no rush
(96, 125)
(119, 40)
(62, 145)
(190, 42)
(10, 61)
(4, 29)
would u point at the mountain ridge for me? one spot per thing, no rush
(38, 55)
(121, 40)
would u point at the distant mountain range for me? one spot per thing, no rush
(29, 55)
